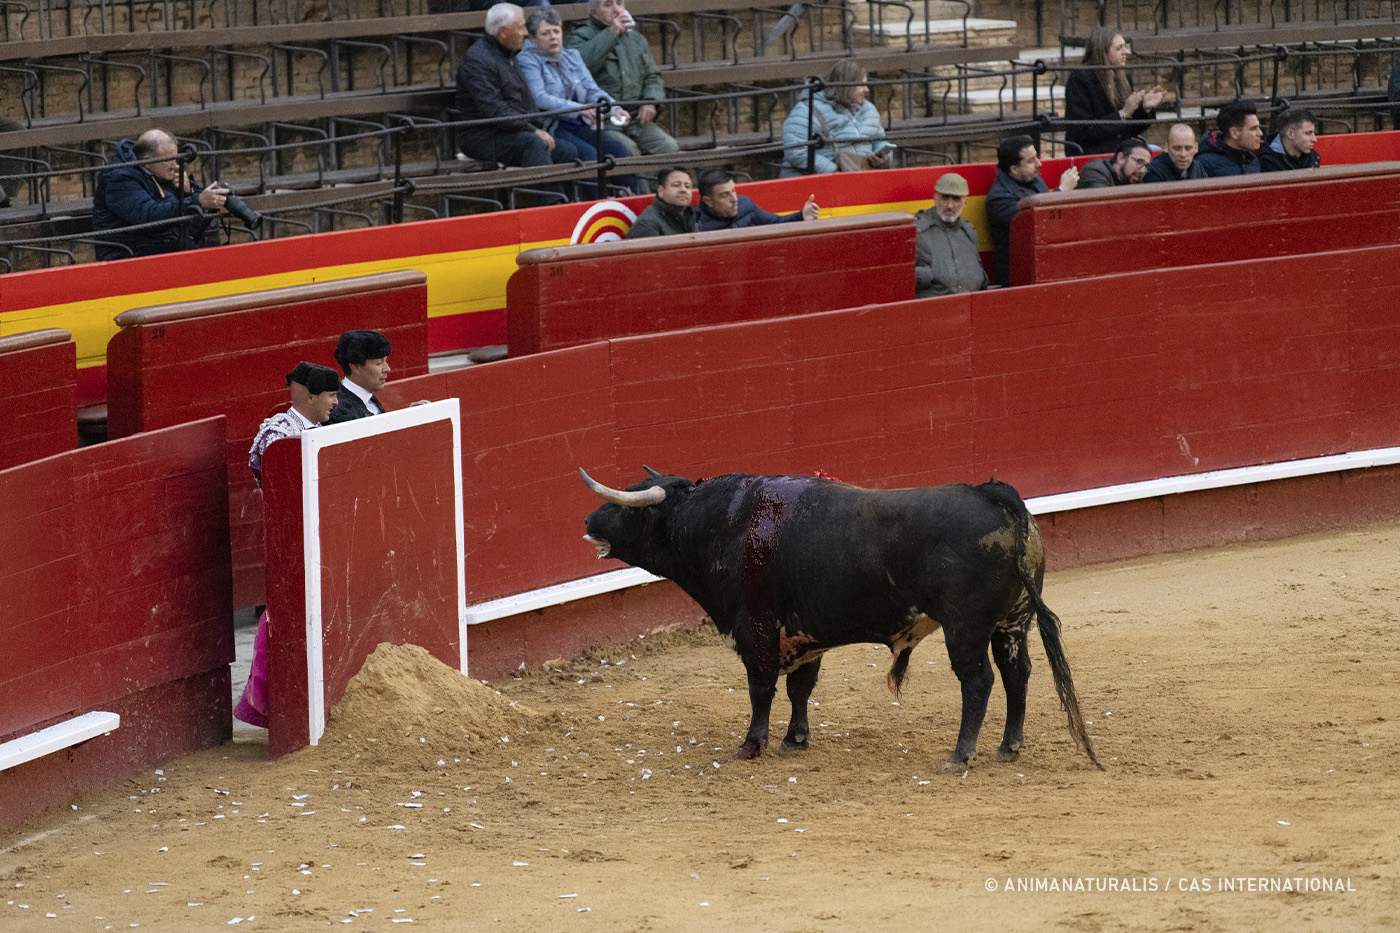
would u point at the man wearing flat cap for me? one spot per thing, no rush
(363, 356)
(946, 255)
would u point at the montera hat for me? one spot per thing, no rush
(951, 183)
(356, 346)
(317, 379)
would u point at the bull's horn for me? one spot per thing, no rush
(650, 472)
(637, 499)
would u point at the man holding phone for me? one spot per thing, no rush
(621, 62)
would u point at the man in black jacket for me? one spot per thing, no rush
(1018, 176)
(491, 85)
(363, 356)
(146, 184)
(670, 212)
(1292, 146)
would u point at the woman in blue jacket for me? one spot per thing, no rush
(559, 80)
(842, 118)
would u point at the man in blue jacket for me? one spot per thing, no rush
(145, 184)
(1229, 148)
(723, 208)
(1178, 161)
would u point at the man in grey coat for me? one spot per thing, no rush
(946, 255)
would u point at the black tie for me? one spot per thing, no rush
(375, 400)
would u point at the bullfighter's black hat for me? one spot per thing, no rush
(356, 346)
(316, 378)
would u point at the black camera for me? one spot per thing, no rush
(240, 209)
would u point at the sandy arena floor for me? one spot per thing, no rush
(1244, 701)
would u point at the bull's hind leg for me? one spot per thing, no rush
(799, 688)
(968, 652)
(1014, 662)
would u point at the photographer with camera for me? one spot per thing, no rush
(147, 183)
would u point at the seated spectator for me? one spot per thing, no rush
(558, 80)
(144, 184)
(1127, 166)
(313, 389)
(1229, 148)
(670, 212)
(363, 356)
(848, 126)
(947, 258)
(621, 61)
(1018, 176)
(1293, 145)
(490, 84)
(1178, 161)
(722, 207)
(1100, 96)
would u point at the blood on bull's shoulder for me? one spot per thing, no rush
(792, 566)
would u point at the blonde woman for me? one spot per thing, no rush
(1102, 92)
(844, 120)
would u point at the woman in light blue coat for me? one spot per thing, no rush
(842, 116)
(558, 79)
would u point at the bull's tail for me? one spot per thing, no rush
(1048, 623)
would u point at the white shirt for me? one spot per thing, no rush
(365, 395)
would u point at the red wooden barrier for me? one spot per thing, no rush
(382, 511)
(39, 415)
(1080, 234)
(567, 295)
(114, 571)
(174, 363)
(1053, 388)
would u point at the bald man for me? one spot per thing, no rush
(147, 184)
(1178, 161)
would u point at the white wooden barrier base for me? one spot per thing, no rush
(65, 734)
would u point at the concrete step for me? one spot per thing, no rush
(980, 32)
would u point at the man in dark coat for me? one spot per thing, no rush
(1229, 148)
(1293, 146)
(1127, 166)
(363, 356)
(1178, 161)
(669, 213)
(723, 208)
(491, 85)
(1018, 176)
(146, 184)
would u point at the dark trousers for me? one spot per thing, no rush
(584, 137)
(523, 149)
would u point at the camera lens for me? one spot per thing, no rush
(240, 209)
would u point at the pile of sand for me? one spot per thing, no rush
(404, 702)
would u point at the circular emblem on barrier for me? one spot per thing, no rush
(604, 221)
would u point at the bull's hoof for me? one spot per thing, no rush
(790, 747)
(750, 750)
(1008, 754)
(956, 765)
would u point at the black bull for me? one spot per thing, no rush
(792, 566)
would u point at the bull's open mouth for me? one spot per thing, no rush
(603, 547)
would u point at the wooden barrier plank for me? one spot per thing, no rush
(39, 416)
(564, 296)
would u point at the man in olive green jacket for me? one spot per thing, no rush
(621, 62)
(946, 258)
(670, 213)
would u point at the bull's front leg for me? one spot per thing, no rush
(759, 650)
(762, 689)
